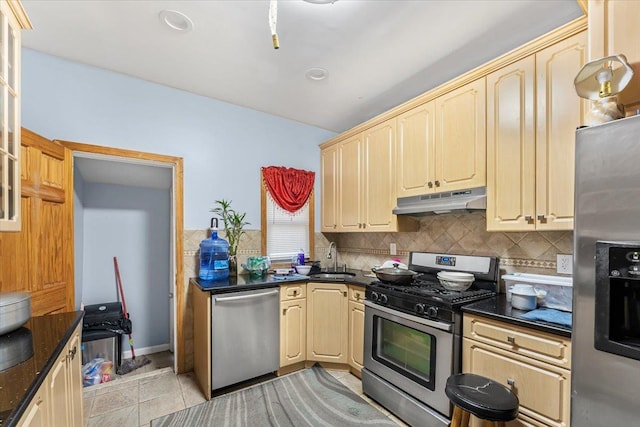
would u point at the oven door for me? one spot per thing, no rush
(412, 353)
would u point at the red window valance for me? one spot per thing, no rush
(290, 188)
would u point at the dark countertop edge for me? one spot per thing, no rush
(18, 411)
(359, 280)
(499, 308)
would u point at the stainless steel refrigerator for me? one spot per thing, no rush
(605, 366)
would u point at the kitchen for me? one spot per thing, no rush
(359, 251)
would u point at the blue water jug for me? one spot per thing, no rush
(214, 256)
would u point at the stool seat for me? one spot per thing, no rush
(482, 397)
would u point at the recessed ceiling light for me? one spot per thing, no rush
(176, 20)
(321, 1)
(316, 74)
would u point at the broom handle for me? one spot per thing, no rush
(124, 304)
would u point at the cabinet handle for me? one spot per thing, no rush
(437, 183)
(528, 218)
(295, 292)
(364, 225)
(284, 311)
(38, 401)
(541, 218)
(357, 295)
(512, 340)
(345, 293)
(511, 382)
(430, 184)
(72, 353)
(334, 226)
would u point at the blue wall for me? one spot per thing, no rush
(132, 224)
(223, 145)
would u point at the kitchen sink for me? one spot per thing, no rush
(332, 275)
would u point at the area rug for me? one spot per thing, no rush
(311, 397)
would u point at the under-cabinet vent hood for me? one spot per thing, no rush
(474, 198)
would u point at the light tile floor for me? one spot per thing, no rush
(135, 400)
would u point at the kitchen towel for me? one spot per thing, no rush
(549, 315)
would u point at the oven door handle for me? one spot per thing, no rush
(443, 326)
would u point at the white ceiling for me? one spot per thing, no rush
(378, 53)
(119, 171)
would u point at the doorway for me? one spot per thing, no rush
(133, 211)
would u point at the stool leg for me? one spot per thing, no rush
(456, 419)
(465, 419)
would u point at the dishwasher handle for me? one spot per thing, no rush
(245, 297)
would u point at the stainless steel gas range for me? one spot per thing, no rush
(413, 336)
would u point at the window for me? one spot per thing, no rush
(283, 233)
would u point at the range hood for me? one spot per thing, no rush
(436, 203)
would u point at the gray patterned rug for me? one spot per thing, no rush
(311, 397)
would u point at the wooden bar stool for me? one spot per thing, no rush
(488, 400)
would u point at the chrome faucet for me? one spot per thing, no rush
(332, 245)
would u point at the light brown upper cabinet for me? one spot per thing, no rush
(614, 29)
(441, 144)
(12, 20)
(532, 114)
(365, 186)
(329, 183)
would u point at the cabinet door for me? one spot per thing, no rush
(613, 29)
(329, 183)
(543, 390)
(58, 397)
(461, 138)
(327, 322)
(37, 413)
(379, 151)
(416, 151)
(511, 151)
(293, 328)
(74, 391)
(559, 112)
(356, 335)
(350, 183)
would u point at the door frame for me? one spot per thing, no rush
(177, 215)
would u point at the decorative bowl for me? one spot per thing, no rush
(303, 269)
(454, 281)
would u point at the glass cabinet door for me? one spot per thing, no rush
(9, 120)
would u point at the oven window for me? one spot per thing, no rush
(406, 350)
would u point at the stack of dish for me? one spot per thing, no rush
(455, 281)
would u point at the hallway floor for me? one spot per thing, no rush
(137, 398)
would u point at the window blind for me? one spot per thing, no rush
(286, 233)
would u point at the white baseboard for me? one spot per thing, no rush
(143, 350)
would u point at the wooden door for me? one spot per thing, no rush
(356, 335)
(327, 322)
(379, 177)
(329, 183)
(293, 328)
(39, 258)
(511, 192)
(416, 151)
(350, 184)
(559, 112)
(461, 138)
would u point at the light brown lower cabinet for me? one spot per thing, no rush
(327, 322)
(356, 328)
(58, 401)
(293, 324)
(533, 364)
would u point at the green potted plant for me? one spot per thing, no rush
(233, 229)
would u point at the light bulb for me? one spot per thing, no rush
(604, 78)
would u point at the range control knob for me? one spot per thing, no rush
(383, 299)
(419, 308)
(432, 311)
(374, 296)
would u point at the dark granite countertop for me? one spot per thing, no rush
(18, 384)
(244, 282)
(500, 309)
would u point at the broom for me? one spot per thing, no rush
(133, 363)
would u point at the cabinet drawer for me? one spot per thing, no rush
(289, 292)
(542, 346)
(356, 293)
(543, 389)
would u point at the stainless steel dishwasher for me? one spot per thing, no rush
(245, 335)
